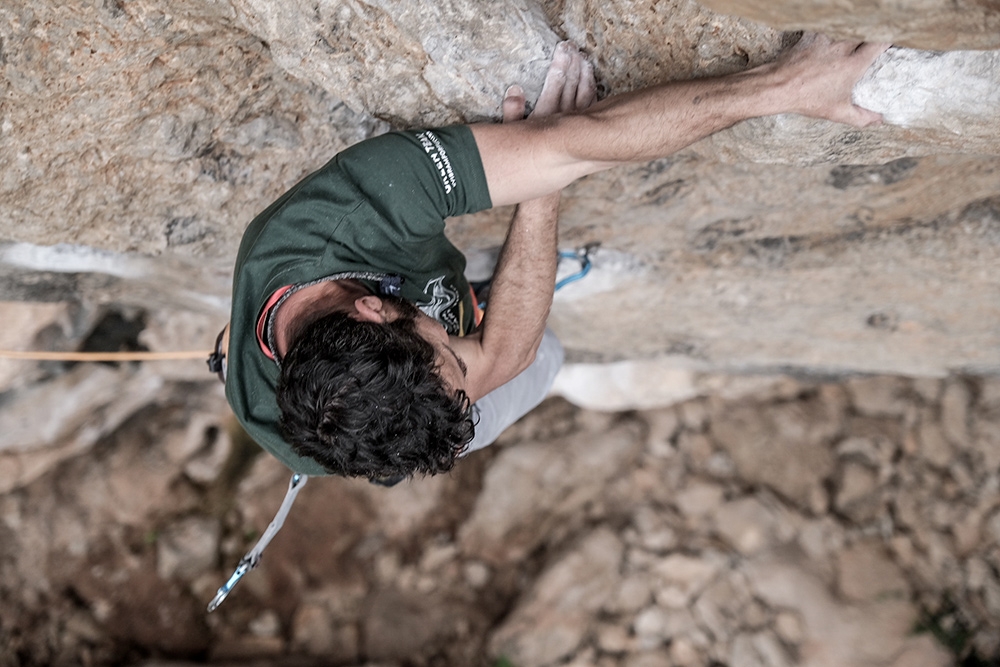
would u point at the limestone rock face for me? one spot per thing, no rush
(150, 126)
(440, 65)
(927, 24)
(812, 522)
(161, 127)
(411, 64)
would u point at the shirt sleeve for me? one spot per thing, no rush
(416, 178)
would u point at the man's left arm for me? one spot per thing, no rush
(814, 78)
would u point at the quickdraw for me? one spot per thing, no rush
(581, 255)
(252, 559)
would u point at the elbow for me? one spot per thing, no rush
(526, 358)
(513, 365)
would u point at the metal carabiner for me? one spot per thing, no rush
(581, 255)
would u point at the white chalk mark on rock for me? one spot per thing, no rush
(934, 90)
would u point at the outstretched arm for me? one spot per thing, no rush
(815, 78)
(525, 276)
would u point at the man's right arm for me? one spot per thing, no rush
(525, 276)
(529, 159)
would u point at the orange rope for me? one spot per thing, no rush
(105, 356)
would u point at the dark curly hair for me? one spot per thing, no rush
(364, 400)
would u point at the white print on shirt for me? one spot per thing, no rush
(442, 304)
(433, 148)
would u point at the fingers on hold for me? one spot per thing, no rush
(872, 50)
(513, 108)
(569, 83)
(568, 98)
(562, 56)
(861, 117)
(557, 70)
(513, 103)
(871, 118)
(586, 93)
(548, 101)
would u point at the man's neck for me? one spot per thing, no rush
(309, 304)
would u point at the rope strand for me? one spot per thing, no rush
(104, 356)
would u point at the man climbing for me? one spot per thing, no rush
(330, 365)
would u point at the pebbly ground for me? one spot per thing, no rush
(812, 523)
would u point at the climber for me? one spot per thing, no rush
(354, 345)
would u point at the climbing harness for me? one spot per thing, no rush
(217, 364)
(217, 359)
(252, 558)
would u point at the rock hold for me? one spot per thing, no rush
(504, 526)
(955, 91)
(553, 622)
(187, 548)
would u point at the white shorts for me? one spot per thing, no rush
(506, 404)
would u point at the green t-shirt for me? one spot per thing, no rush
(376, 208)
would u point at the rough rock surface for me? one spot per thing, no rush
(765, 520)
(161, 127)
(928, 24)
(150, 126)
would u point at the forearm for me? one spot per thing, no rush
(521, 293)
(541, 155)
(648, 124)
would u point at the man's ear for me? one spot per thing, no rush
(371, 308)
